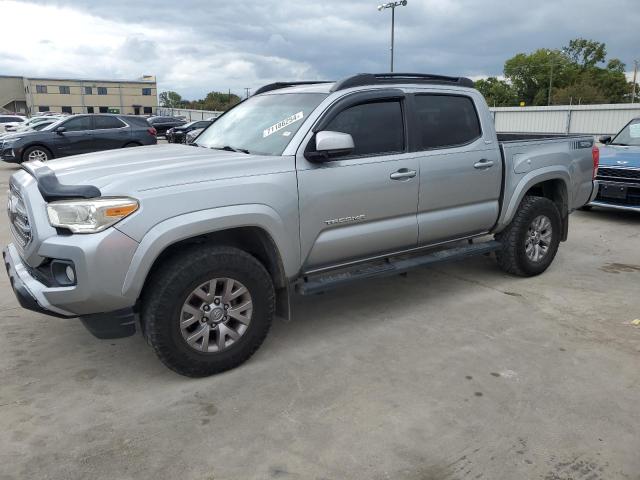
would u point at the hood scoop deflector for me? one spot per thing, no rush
(51, 189)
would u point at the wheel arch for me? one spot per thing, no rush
(36, 144)
(553, 185)
(256, 230)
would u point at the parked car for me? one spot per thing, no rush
(162, 124)
(25, 128)
(10, 120)
(178, 134)
(192, 135)
(75, 135)
(619, 171)
(27, 124)
(299, 188)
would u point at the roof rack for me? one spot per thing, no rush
(278, 85)
(384, 78)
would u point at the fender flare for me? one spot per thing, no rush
(524, 185)
(201, 222)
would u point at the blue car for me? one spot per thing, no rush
(619, 171)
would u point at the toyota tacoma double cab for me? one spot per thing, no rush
(303, 187)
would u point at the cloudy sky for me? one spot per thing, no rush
(195, 46)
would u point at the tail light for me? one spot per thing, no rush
(595, 153)
(152, 131)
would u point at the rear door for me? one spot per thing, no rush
(460, 167)
(76, 138)
(364, 203)
(110, 132)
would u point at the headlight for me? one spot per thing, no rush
(90, 216)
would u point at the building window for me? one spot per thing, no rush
(41, 89)
(66, 110)
(102, 90)
(104, 109)
(88, 91)
(148, 110)
(89, 109)
(43, 108)
(64, 90)
(146, 91)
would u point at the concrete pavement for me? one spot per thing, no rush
(454, 372)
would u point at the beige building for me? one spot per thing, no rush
(32, 95)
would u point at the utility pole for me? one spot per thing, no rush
(550, 84)
(392, 6)
(247, 91)
(635, 75)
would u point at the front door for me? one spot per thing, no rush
(364, 203)
(136, 110)
(76, 138)
(460, 168)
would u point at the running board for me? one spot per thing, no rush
(392, 266)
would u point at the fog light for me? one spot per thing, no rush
(71, 275)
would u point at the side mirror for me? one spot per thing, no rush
(605, 139)
(60, 130)
(330, 144)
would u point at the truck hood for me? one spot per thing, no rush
(128, 170)
(619, 156)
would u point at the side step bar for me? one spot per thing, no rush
(392, 266)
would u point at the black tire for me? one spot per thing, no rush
(35, 148)
(172, 283)
(513, 258)
(586, 208)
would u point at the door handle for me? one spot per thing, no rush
(403, 174)
(482, 164)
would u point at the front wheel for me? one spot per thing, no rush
(208, 309)
(37, 153)
(530, 242)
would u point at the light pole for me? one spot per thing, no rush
(392, 6)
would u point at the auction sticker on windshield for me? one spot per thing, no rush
(282, 124)
(634, 130)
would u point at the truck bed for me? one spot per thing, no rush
(519, 137)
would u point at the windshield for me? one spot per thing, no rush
(263, 125)
(629, 135)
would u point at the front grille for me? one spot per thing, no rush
(627, 175)
(18, 217)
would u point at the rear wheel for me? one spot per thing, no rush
(36, 153)
(530, 242)
(208, 309)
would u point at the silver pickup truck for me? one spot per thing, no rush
(301, 188)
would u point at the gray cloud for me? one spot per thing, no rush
(233, 44)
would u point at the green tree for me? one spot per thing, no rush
(530, 74)
(497, 93)
(170, 99)
(586, 53)
(573, 72)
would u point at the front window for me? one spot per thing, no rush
(263, 125)
(629, 135)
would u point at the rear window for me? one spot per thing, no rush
(102, 122)
(446, 121)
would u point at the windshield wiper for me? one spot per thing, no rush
(227, 148)
(620, 144)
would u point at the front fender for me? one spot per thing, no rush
(515, 194)
(193, 224)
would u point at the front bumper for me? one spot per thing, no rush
(10, 154)
(27, 289)
(30, 295)
(629, 201)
